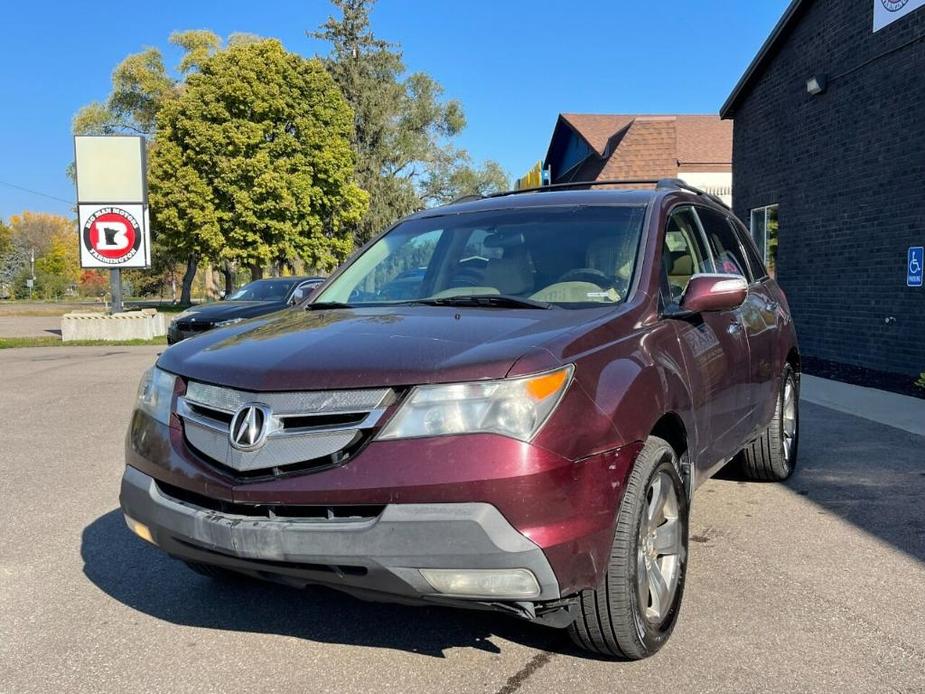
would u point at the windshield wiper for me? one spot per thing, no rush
(322, 305)
(483, 301)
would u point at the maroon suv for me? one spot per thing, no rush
(503, 403)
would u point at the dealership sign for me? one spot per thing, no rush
(114, 236)
(888, 11)
(112, 202)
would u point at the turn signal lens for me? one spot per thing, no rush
(515, 407)
(140, 529)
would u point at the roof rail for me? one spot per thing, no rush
(659, 183)
(677, 183)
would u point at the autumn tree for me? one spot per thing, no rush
(252, 162)
(404, 129)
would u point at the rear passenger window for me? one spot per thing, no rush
(759, 272)
(683, 254)
(727, 251)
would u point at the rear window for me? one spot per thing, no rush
(573, 257)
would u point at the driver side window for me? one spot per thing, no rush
(683, 254)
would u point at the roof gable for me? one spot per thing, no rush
(639, 146)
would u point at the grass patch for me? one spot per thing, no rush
(51, 341)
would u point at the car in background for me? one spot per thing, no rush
(254, 299)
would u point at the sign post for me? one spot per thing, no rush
(112, 206)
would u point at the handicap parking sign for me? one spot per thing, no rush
(915, 266)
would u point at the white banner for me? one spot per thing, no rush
(888, 11)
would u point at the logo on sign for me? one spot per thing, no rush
(915, 269)
(112, 235)
(894, 5)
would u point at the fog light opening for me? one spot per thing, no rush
(140, 529)
(488, 583)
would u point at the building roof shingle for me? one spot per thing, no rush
(647, 146)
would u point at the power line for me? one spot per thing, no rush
(35, 192)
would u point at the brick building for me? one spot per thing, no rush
(593, 147)
(829, 161)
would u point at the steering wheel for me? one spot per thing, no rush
(587, 274)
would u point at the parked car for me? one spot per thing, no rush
(254, 299)
(523, 434)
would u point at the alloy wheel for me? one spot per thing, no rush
(789, 419)
(659, 549)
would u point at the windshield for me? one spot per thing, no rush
(573, 257)
(263, 290)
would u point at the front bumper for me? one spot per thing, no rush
(377, 557)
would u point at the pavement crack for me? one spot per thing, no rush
(515, 681)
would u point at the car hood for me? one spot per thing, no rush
(226, 310)
(368, 347)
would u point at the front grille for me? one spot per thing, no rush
(304, 430)
(333, 513)
(193, 326)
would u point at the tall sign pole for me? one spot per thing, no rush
(112, 206)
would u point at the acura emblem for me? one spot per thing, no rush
(249, 426)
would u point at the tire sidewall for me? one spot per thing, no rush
(653, 637)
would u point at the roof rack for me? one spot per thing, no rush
(659, 183)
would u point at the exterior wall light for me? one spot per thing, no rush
(816, 84)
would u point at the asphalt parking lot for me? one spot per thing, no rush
(816, 585)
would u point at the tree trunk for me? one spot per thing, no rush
(256, 272)
(186, 292)
(228, 272)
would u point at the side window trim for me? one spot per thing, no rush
(760, 274)
(752, 280)
(699, 239)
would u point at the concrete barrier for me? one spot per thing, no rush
(132, 325)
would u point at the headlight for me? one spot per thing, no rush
(155, 393)
(510, 407)
(226, 323)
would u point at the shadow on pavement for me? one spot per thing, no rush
(144, 578)
(864, 472)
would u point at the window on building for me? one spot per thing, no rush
(764, 231)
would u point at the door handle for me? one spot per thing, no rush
(771, 305)
(734, 326)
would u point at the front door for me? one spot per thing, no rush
(714, 345)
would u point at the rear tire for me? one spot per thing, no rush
(772, 456)
(633, 612)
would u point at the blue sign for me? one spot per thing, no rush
(915, 266)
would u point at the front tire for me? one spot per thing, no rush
(772, 456)
(632, 614)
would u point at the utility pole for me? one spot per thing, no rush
(31, 271)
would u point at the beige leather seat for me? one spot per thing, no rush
(510, 274)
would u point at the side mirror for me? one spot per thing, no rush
(714, 293)
(221, 295)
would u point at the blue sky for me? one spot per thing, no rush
(514, 65)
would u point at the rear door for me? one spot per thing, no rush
(756, 317)
(714, 344)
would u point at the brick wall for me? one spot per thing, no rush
(848, 170)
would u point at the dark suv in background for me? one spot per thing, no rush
(503, 404)
(257, 298)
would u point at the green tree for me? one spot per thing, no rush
(403, 128)
(58, 268)
(252, 162)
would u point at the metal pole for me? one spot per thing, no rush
(32, 270)
(115, 286)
